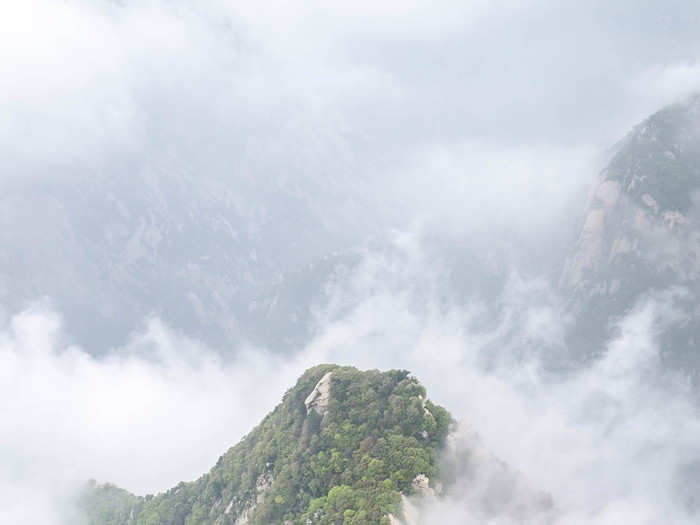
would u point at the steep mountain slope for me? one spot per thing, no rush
(212, 255)
(342, 447)
(641, 235)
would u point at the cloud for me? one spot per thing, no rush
(666, 82)
(672, 81)
(611, 441)
(315, 127)
(144, 417)
(87, 83)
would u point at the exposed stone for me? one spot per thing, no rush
(393, 520)
(263, 483)
(320, 395)
(425, 409)
(608, 192)
(421, 484)
(640, 236)
(589, 247)
(650, 202)
(244, 516)
(673, 218)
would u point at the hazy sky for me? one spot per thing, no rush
(86, 81)
(471, 112)
(477, 115)
(425, 104)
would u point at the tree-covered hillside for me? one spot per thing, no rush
(341, 448)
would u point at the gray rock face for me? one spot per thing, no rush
(421, 485)
(410, 509)
(262, 484)
(641, 233)
(318, 398)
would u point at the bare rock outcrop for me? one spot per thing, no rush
(262, 484)
(421, 485)
(409, 506)
(318, 398)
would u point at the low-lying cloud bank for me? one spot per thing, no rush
(613, 441)
(160, 410)
(616, 441)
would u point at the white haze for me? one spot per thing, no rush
(287, 133)
(473, 120)
(617, 441)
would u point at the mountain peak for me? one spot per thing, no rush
(660, 156)
(640, 233)
(343, 444)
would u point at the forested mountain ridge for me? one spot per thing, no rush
(342, 447)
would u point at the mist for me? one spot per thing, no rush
(615, 440)
(198, 202)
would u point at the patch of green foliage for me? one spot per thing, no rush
(348, 466)
(110, 504)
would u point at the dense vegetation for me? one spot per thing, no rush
(346, 465)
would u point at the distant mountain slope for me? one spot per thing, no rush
(342, 447)
(641, 233)
(211, 255)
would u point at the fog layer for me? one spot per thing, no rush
(616, 440)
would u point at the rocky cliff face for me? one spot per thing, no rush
(641, 233)
(320, 396)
